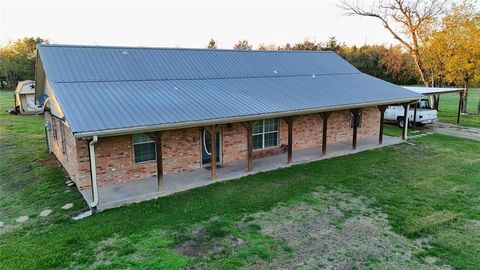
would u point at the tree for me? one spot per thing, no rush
(408, 21)
(212, 44)
(242, 45)
(333, 45)
(458, 49)
(17, 60)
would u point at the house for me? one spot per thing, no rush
(25, 102)
(121, 114)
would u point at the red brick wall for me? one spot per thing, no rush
(67, 158)
(115, 161)
(181, 148)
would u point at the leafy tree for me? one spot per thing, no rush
(242, 45)
(457, 48)
(17, 60)
(212, 44)
(408, 21)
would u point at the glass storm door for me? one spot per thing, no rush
(207, 147)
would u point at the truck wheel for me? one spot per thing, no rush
(400, 122)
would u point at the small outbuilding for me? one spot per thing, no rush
(25, 101)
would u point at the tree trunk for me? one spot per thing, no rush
(465, 99)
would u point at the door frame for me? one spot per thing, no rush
(220, 147)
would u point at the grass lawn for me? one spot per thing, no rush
(449, 107)
(409, 206)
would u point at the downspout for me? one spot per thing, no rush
(93, 172)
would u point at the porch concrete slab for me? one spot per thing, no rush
(114, 195)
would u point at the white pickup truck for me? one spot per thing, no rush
(425, 114)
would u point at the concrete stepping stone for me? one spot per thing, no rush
(67, 206)
(21, 219)
(45, 213)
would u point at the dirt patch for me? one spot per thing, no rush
(334, 230)
(206, 239)
(50, 161)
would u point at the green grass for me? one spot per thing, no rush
(448, 109)
(429, 190)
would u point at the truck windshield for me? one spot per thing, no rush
(424, 104)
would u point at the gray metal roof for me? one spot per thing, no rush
(102, 90)
(433, 90)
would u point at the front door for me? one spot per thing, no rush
(206, 147)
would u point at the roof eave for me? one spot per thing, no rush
(226, 120)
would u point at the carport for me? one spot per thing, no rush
(435, 92)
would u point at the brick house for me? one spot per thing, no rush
(118, 114)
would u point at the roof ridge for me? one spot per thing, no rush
(204, 79)
(172, 48)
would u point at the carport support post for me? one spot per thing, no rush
(289, 121)
(414, 116)
(324, 116)
(460, 101)
(382, 109)
(355, 127)
(157, 138)
(249, 127)
(405, 121)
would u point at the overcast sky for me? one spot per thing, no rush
(184, 23)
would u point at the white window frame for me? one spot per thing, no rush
(138, 143)
(269, 132)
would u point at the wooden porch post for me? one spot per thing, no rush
(249, 127)
(324, 116)
(405, 121)
(355, 127)
(289, 121)
(157, 138)
(213, 142)
(382, 109)
(460, 101)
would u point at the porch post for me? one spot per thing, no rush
(249, 127)
(414, 116)
(355, 126)
(289, 121)
(213, 141)
(460, 101)
(324, 116)
(157, 138)
(405, 120)
(382, 109)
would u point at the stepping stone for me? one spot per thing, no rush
(1, 224)
(45, 213)
(22, 219)
(67, 206)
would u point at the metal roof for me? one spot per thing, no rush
(433, 90)
(110, 90)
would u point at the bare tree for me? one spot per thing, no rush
(408, 21)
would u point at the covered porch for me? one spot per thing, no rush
(114, 195)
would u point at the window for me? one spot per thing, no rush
(144, 148)
(357, 121)
(64, 140)
(265, 133)
(54, 128)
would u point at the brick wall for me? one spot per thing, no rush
(181, 148)
(61, 143)
(115, 160)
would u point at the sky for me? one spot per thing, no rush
(186, 24)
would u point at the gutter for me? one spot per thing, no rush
(93, 172)
(226, 120)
